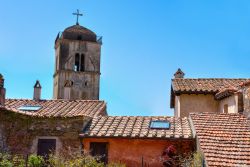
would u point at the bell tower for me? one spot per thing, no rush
(77, 64)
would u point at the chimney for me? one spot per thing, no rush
(37, 91)
(179, 74)
(2, 90)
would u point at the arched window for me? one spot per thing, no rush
(82, 62)
(77, 62)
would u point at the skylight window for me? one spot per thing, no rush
(160, 125)
(29, 108)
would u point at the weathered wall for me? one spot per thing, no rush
(85, 83)
(19, 133)
(246, 101)
(197, 103)
(231, 101)
(130, 151)
(177, 106)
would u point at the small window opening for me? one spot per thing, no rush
(160, 125)
(77, 62)
(99, 149)
(86, 83)
(29, 108)
(79, 37)
(45, 147)
(82, 62)
(226, 108)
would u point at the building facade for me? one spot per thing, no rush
(214, 95)
(138, 141)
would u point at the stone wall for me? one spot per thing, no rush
(130, 151)
(85, 83)
(246, 101)
(19, 133)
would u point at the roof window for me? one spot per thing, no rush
(30, 108)
(160, 125)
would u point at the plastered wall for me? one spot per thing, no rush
(130, 151)
(231, 103)
(197, 103)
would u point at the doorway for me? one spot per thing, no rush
(46, 147)
(100, 150)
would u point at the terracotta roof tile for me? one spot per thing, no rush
(223, 138)
(223, 93)
(204, 85)
(57, 108)
(136, 127)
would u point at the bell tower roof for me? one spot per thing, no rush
(78, 32)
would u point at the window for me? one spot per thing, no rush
(29, 108)
(86, 83)
(79, 62)
(100, 149)
(79, 37)
(45, 147)
(226, 108)
(160, 125)
(82, 62)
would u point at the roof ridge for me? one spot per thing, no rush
(141, 116)
(65, 100)
(210, 78)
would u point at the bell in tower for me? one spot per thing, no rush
(77, 64)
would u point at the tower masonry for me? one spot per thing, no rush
(77, 64)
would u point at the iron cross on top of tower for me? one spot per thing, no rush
(77, 16)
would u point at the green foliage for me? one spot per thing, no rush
(5, 160)
(6, 163)
(18, 161)
(73, 161)
(68, 159)
(193, 160)
(35, 161)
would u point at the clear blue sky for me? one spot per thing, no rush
(145, 41)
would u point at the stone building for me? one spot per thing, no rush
(38, 126)
(208, 114)
(77, 64)
(216, 95)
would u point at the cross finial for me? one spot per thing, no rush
(77, 16)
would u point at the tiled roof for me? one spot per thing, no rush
(57, 108)
(223, 138)
(137, 127)
(204, 85)
(225, 93)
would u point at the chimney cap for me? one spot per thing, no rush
(37, 84)
(179, 73)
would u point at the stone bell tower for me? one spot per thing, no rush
(77, 64)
